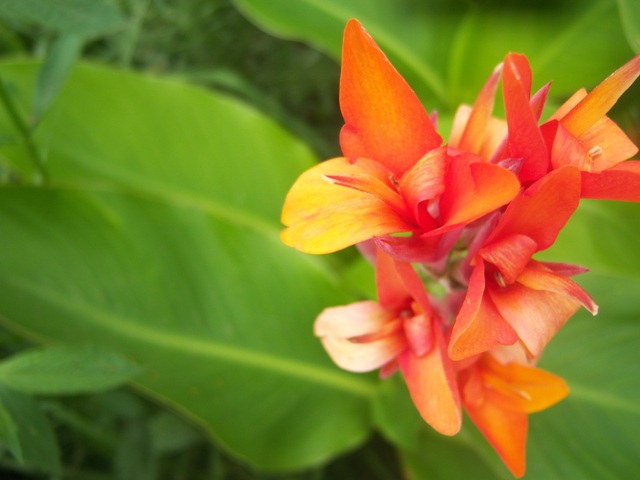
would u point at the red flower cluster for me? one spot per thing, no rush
(463, 310)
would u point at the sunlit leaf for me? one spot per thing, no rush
(157, 236)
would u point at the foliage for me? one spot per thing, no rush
(144, 158)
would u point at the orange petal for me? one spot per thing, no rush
(353, 320)
(510, 255)
(384, 119)
(535, 315)
(425, 180)
(479, 326)
(621, 182)
(522, 388)
(506, 431)
(525, 140)
(324, 217)
(473, 189)
(600, 100)
(543, 209)
(433, 388)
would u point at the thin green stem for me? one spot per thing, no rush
(24, 130)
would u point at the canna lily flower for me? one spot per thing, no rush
(498, 397)
(400, 330)
(511, 297)
(395, 176)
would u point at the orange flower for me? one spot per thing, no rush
(402, 330)
(395, 176)
(511, 297)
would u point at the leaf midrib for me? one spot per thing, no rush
(210, 349)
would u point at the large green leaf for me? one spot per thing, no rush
(447, 49)
(158, 237)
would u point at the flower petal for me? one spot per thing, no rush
(621, 182)
(522, 388)
(479, 326)
(543, 209)
(474, 135)
(432, 385)
(384, 119)
(324, 217)
(600, 100)
(535, 315)
(525, 140)
(506, 431)
(510, 255)
(474, 188)
(360, 337)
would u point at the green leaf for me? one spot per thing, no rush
(36, 445)
(85, 18)
(157, 236)
(57, 65)
(66, 370)
(446, 50)
(630, 18)
(9, 434)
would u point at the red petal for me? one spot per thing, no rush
(621, 182)
(425, 180)
(479, 326)
(510, 255)
(474, 188)
(525, 139)
(384, 119)
(433, 388)
(542, 210)
(323, 217)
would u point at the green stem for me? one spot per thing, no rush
(24, 130)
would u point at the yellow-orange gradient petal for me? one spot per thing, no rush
(384, 119)
(324, 217)
(600, 100)
(522, 388)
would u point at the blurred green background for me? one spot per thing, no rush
(153, 325)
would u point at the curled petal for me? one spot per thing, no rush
(384, 119)
(510, 255)
(474, 188)
(323, 217)
(360, 337)
(425, 180)
(479, 326)
(364, 356)
(353, 320)
(432, 385)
